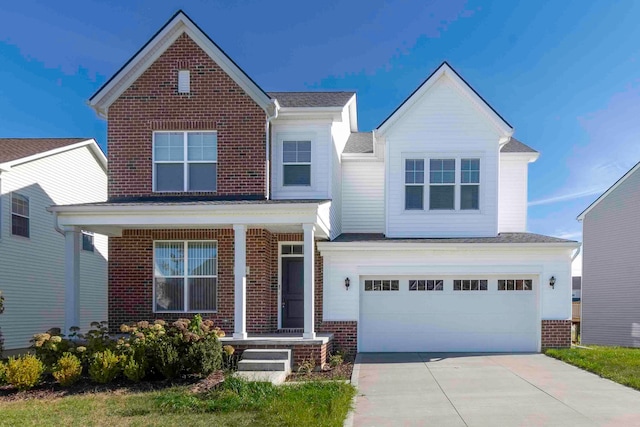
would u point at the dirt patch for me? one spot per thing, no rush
(340, 372)
(207, 383)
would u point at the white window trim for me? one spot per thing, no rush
(456, 190)
(458, 182)
(280, 256)
(185, 277)
(185, 162)
(423, 185)
(463, 184)
(28, 217)
(278, 166)
(297, 163)
(93, 241)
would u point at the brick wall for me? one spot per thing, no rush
(299, 352)
(556, 333)
(215, 102)
(345, 335)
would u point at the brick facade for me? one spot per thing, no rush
(300, 352)
(556, 333)
(215, 102)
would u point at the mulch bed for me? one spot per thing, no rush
(49, 389)
(340, 372)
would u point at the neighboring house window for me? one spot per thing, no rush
(515, 285)
(470, 285)
(296, 161)
(426, 285)
(87, 241)
(469, 184)
(442, 179)
(414, 184)
(185, 276)
(185, 161)
(184, 81)
(381, 285)
(19, 215)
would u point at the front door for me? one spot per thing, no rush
(293, 292)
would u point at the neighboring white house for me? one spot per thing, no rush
(421, 224)
(36, 173)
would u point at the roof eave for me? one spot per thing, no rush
(93, 145)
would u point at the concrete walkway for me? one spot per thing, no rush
(428, 389)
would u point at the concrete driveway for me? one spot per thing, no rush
(428, 389)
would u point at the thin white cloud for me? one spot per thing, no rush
(568, 196)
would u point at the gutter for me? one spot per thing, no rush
(276, 109)
(576, 253)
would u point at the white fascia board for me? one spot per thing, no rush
(456, 269)
(333, 114)
(530, 157)
(361, 157)
(93, 145)
(445, 71)
(373, 246)
(353, 114)
(606, 193)
(156, 47)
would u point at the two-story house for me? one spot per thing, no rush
(270, 213)
(34, 174)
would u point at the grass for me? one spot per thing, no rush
(235, 403)
(619, 364)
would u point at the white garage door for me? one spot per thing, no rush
(448, 314)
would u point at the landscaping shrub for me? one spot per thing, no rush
(97, 338)
(3, 373)
(50, 346)
(24, 372)
(67, 370)
(134, 371)
(307, 367)
(105, 366)
(336, 360)
(204, 356)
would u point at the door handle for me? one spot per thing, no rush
(283, 304)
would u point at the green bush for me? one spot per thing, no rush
(336, 360)
(134, 371)
(67, 370)
(165, 357)
(105, 366)
(204, 356)
(51, 346)
(24, 372)
(3, 373)
(97, 338)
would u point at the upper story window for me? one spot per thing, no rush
(442, 179)
(87, 241)
(185, 161)
(469, 184)
(296, 161)
(19, 215)
(414, 184)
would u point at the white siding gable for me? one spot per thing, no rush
(32, 270)
(443, 123)
(512, 215)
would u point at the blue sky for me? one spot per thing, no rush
(565, 74)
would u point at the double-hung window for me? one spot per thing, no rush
(296, 161)
(185, 276)
(414, 184)
(185, 161)
(442, 184)
(19, 215)
(469, 184)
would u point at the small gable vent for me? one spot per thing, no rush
(184, 81)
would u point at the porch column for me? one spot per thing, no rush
(309, 266)
(71, 277)
(240, 289)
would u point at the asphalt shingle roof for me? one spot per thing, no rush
(18, 148)
(312, 99)
(359, 142)
(515, 146)
(500, 238)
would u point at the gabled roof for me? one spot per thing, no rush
(312, 99)
(359, 143)
(446, 69)
(179, 23)
(15, 151)
(515, 146)
(609, 190)
(502, 238)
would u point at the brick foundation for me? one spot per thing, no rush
(556, 333)
(345, 335)
(299, 352)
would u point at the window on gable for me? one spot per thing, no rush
(19, 215)
(296, 161)
(414, 184)
(184, 81)
(469, 184)
(185, 161)
(87, 241)
(185, 276)
(442, 187)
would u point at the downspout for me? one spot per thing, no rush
(276, 108)
(576, 253)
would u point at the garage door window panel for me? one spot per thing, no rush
(426, 285)
(515, 285)
(470, 285)
(381, 285)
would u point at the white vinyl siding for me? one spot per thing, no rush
(32, 271)
(363, 196)
(443, 124)
(512, 215)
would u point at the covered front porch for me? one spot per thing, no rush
(245, 264)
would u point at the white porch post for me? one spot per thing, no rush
(240, 290)
(71, 277)
(309, 266)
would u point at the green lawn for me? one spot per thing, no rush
(235, 403)
(618, 364)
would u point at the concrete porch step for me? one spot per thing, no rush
(274, 377)
(266, 354)
(264, 365)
